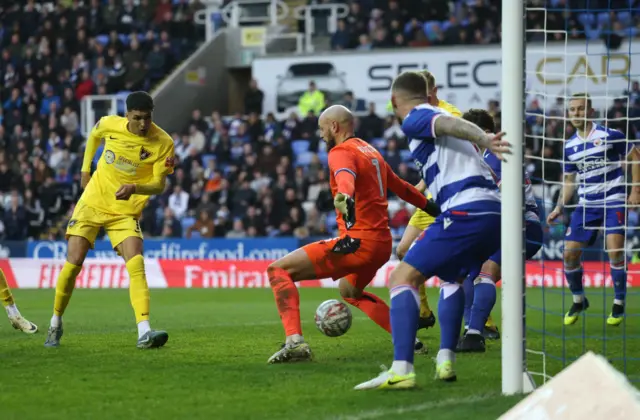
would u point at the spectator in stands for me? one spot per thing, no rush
(204, 226)
(253, 99)
(179, 201)
(353, 104)
(312, 100)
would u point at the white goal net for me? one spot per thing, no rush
(582, 53)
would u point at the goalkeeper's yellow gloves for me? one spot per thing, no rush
(340, 202)
(346, 206)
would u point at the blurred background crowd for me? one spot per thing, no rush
(249, 174)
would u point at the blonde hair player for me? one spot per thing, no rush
(421, 221)
(15, 318)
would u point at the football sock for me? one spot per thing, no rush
(287, 300)
(404, 313)
(574, 278)
(5, 293)
(138, 288)
(467, 286)
(374, 307)
(450, 313)
(425, 310)
(619, 277)
(64, 289)
(484, 297)
(143, 328)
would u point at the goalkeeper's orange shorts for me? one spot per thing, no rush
(357, 260)
(87, 221)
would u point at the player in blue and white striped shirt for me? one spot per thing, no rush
(461, 239)
(593, 161)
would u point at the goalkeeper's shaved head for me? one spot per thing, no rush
(408, 90)
(336, 125)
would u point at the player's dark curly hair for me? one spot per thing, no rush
(139, 101)
(481, 118)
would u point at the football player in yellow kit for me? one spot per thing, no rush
(422, 220)
(15, 318)
(138, 155)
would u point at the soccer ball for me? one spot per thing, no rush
(333, 318)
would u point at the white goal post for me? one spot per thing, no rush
(512, 106)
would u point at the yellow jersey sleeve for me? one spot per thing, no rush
(93, 142)
(164, 165)
(449, 108)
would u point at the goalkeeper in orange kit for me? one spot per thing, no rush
(138, 155)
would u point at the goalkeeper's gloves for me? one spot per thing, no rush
(432, 208)
(346, 206)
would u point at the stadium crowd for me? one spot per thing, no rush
(246, 175)
(372, 24)
(51, 56)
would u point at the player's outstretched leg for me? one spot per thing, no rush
(467, 287)
(131, 250)
(77, 251)
(427, 318)
(404, 313)
(351, 290)
(450, 316)
(15, 318)
(573, 274)
(615, 243)
(484, 299)
(282, 274)
(418, 223)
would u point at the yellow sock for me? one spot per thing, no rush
(490, 322)
(138, 288)
(425, 310)
(64, 287)
(5, 293)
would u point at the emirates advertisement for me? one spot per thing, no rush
(29, 273)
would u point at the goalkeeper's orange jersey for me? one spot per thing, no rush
(126, 159)
(371, 176)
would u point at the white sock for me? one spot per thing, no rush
(615, 302)
(445, 355)
(294, 339)
(56, 321)
(143, 327)
(578, 298)
(12, 310)
(472, 331)
(401, 367)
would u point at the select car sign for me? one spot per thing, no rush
(467, 77)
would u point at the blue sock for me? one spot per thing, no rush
(450, 313)
(619, 277)
(574, 278)
(484, 297)
(405, 311)
(467, 285)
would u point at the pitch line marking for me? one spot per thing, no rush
(384, 412)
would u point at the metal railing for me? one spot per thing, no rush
(336, 12)
(241, 12)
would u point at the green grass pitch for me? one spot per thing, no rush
(214, 365)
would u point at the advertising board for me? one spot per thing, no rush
(467, 76)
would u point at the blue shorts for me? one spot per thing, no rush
(533, 235)
(586, 223)
(455, 245)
